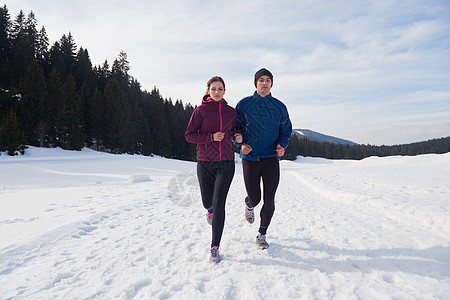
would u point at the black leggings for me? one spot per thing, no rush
(215, 179)
(269, 170)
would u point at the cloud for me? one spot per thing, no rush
(395, 134)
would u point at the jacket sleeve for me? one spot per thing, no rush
(285, 129)
(193, 134)
(240, 120)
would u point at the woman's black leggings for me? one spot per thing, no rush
(269, 170)
(215, 179)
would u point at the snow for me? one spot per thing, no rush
(89, 225)
(299, 131)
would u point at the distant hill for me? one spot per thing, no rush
(319, 137)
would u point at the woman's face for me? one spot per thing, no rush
(216, 90)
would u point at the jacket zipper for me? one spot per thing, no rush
(220, 118)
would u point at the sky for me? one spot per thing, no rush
(373, 72)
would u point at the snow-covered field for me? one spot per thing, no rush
(88, 225)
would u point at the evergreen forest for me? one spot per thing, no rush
(52, 96)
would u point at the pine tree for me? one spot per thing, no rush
(62, 56)
(7, 102)
(178, 121)
(31, 33)
(55, 59)
(131, 131)
(158, 122)
(5, 27)
(83, 70)
(120, 70)
(116, 115)
(33, 111)
(6, 74)
(102, 74)
(12, 138)
(191, 152)
(42, 49)
(292, 149)
(146, 108)
(22, 48)
(70, 118)
(97, 120)
(54, 105)
(68, 50)
(18, 26)
(86, 103)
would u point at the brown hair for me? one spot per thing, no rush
(214, 79)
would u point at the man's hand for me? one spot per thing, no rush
(280, 151)
(238, 138)
(246, 149)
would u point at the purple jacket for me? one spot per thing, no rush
(207, 119)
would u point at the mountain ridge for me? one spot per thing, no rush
(320, 137)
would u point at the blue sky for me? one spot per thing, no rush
(374, 72)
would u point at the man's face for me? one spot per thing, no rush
(263, 85)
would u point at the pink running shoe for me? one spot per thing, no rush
(215, 257)
(209, 217)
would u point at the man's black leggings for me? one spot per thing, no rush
(215, 179)
(269, 170)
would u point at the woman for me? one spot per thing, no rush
(211, 127)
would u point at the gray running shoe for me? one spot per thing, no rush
(261, 241)
(249, 214)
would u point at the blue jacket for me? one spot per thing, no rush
(264, 123)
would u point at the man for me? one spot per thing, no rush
(264, 122)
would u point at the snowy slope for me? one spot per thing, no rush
(88, 225)
(320, 137)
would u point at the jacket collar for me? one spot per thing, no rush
(257, 96)
(208, 99)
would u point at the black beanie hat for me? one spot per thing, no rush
(262, 72)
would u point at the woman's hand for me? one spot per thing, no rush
(218, 136)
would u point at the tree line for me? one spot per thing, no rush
(305, 147)
(52, 96)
